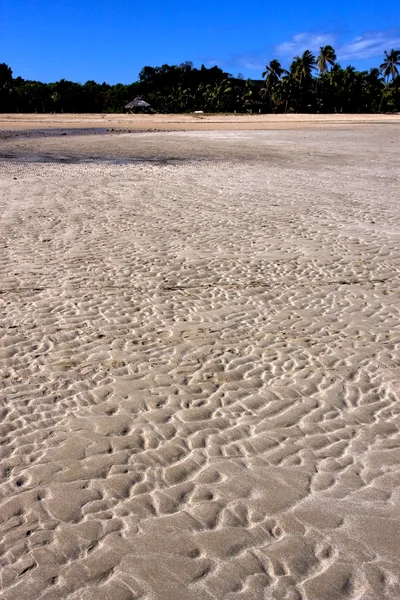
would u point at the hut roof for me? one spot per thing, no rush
(138, 103)
(251, 102)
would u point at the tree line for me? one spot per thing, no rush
(311, 84)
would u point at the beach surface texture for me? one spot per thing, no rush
(200, 357)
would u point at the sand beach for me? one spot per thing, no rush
(200, 357)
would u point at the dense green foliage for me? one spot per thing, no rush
(312, 84)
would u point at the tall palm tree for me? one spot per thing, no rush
(389, 66)
(286, 88)
(304, 65)
(301, 79)
(272, 73)
(327, 56)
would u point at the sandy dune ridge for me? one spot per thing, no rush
(200, 359)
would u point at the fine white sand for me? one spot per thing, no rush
(200, 360)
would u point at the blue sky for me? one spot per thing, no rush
(111, 40)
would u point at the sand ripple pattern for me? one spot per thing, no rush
(200, 391)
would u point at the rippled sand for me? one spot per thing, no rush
(200, 359)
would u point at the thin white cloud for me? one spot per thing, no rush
(304, 41)
(369, 45)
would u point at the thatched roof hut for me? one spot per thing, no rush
(254, 105)
(138, 105)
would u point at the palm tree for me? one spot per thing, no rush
(304, 65)
(301, 80)
(273, 73)
(372, 90)
(217, 96)
(287, 85)
(327, 56)
(389, 66)
(248, 91)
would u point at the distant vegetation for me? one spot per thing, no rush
(312, 84)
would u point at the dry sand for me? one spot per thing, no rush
(200, 359)
(184, 122)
